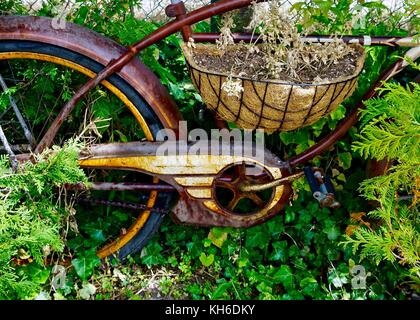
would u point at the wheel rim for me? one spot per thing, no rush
(121, 241)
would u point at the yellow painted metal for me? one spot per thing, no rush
(188, 165)
(117, 244)
(187, 169)
(199, 193)
(194, 181)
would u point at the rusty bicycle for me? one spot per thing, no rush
(113, 77)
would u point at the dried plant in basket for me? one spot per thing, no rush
(282, 83)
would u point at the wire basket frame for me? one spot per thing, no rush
(271, 105)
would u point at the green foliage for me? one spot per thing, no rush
(285, 258)
(31, 217)
(397, 138)
(392, 131)
(364, 17)
(85, 264)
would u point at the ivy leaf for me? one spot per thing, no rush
(206, 261)
(263, 287)
(37, 274)
(221, 290)
(339, 281)
(87, 291)
(338, 114)
(177, 91)
(85, 265)
(242, 262)
(82, 14)
(344, 160)
(97, 235)
(279, 251)
(275, 227)
(120, 216)
(309, 286)
(151, 254)
(193, 248)
(341, 177)
(289, 216)
(332, 232)
(335, 172)
(122, 136)
(43, 296)
(286, 138)
(217, 236)
(256, 239)
(207, 243)
(284, 276)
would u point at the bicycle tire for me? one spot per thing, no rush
(56, 53)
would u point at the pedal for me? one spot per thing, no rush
(321, 187)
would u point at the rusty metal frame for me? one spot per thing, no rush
(385, 41)
(193, 207)
(193, 177)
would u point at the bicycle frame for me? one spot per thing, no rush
(195, 188)
(183, 22)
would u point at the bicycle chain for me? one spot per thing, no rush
(125, 205)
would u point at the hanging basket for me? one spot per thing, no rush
(271, 105)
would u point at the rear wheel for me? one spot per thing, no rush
(41, 78)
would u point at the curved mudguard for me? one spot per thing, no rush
(91, 44)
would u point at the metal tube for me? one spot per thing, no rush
(18, 114)
(363, 40)
(189, 19)
(269, 185)
(9, 150)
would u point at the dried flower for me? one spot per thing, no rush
(233, 87)
(191, 43)
(226, 36)
(285, 53)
